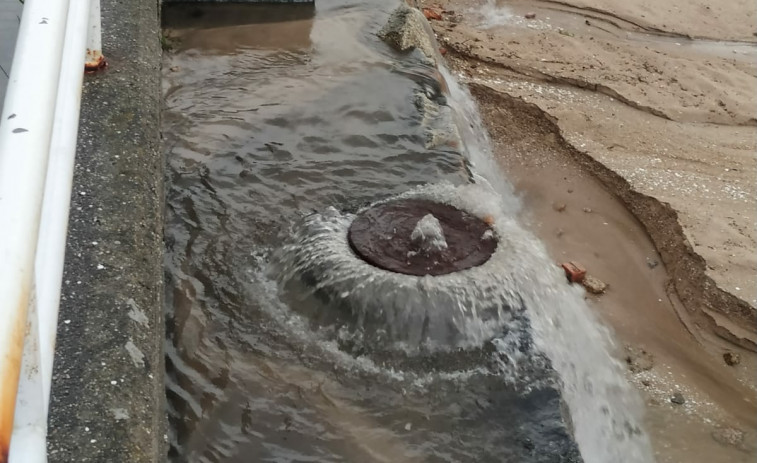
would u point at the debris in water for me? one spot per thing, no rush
(530, 15)
(408, 426)
(575, 272)
(732, 358)
(678, 399)
(594, 285)
(559, 207)
(588, 210)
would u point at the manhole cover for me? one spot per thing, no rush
(384, 237)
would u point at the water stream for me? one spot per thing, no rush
(276, 133)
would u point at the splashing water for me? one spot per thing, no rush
(518, 301)
(493, 15)
(605, 409)
(428, 235)
(396, 311)
(517, 298)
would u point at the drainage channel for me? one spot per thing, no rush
(345, 277)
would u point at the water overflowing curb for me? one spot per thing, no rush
(108, 397)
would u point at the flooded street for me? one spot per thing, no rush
(276, 114)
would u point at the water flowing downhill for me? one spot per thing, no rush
(282, 345)
(605, 409)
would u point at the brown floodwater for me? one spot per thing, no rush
(272, 113)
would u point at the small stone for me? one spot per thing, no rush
(408, 426)
(488, 219)
(530, 15)
(588, 210)
(732, 358)
(678, 399)
(442, 51)
(559, 207)
(652, 263)
(594, 285)
(645, 382)
(560, 232)
(174, 68)
(574, 272)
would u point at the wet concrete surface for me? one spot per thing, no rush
(108, 395)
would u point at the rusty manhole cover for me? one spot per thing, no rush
(383, 237)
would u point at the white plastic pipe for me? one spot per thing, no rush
(25, 133)
(51, 245)
(28, 442)
(94, 55)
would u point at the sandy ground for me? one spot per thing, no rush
(629, 129)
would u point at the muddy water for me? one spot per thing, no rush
(272, 113)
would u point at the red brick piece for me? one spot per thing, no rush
(432, 14)
(574, 272)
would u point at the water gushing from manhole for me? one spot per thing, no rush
(416, 236)
(428, 236)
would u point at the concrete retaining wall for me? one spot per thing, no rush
(108, 397)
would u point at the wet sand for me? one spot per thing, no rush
(626, 140)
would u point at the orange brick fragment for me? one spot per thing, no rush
(574, 272)
(432, 14)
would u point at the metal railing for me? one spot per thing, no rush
(57, 39)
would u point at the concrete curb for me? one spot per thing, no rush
(108, 395)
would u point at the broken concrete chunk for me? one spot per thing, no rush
(406, 30)
(594, 285)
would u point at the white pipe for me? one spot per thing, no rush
(28, 442)
(25, 132)
(95, 59)
(51, 245)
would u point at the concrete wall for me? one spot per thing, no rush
(108, 397)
